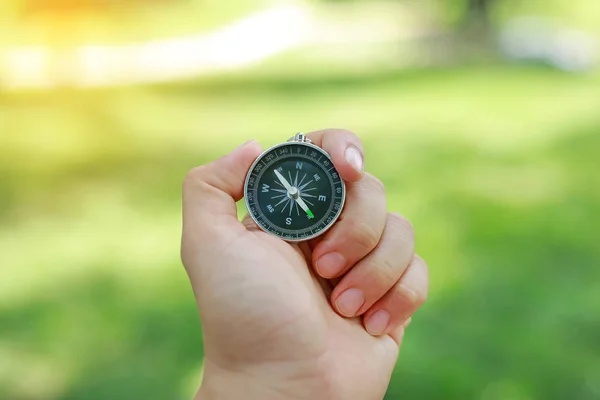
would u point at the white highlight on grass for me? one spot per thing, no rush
(240, 44)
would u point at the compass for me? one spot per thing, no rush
(293, 191)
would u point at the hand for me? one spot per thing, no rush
(318, 320)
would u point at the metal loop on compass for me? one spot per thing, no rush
(300, 137)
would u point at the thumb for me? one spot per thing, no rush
(210, 191)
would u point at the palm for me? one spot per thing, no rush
(273, 308)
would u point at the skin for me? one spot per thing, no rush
(274, 319)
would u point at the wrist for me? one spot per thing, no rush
(221, 384)
(255, 383)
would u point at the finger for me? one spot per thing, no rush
(401, 302)
(377, 273)
(209, 195)
(345, 149)
(398, 334)
(213, 189)
(358, 230)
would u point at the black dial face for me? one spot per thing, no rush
(293, 191)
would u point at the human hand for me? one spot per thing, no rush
(322, 319)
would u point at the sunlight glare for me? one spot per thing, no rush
(234, 46)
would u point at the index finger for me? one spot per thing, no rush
(345, 149)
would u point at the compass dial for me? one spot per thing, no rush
(294, 192)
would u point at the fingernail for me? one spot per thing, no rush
(355, 158)
(378, 322)
(407, 322)
(349, 302)
(330, 264)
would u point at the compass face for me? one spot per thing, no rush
(294, 192)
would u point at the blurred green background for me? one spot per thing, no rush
(481, 117)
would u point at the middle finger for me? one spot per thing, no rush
(357, 232)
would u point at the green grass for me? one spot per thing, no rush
(496, 167)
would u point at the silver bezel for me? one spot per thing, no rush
(327, 227)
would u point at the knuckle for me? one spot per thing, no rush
(421, 297)
(375, 184)
(401, 223)
(409, 298)
(194, 176)
(387, 273)
(417, 259)
(423, 265)
(364, 234)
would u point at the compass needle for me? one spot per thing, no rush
(282, 180)
(304, 207)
